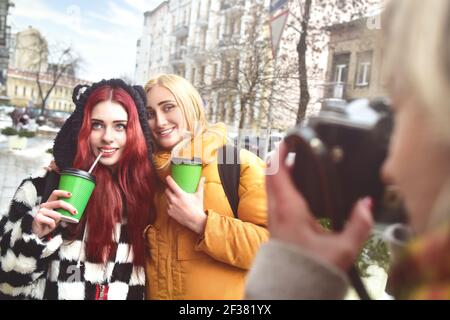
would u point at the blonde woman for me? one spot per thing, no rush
(302, 262)
(198, 249)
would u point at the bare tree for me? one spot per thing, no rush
(248, 75)
(49, 65)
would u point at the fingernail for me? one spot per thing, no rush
(368, 202)
(69, 194)
(74, 211)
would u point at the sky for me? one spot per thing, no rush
(103, 32)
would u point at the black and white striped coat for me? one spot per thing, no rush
(33, 268)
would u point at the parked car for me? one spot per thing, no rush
(54, 118)
(33, 113)
(4, 109)
(5, 116)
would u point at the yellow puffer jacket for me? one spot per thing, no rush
(184, 265)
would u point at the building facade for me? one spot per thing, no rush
(23, 91)
(355, 67)
(5, 43)
(205, 42)
(31, 60)
(153, 47)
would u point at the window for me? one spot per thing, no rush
(203, 39)
(202, 74)
(363, 74)
(231, 110)
(214, 72)
(199, 9)
(238, 26)
(340, 68)
(236, 70)
(222, 110)
(226, 70)
(193, 75)
(339, 72)
(364, 69)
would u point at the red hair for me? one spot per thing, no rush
(126, 194)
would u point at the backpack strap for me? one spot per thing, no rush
(230, 173)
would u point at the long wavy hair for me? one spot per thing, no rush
(124, 194)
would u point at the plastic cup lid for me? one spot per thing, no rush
(193, 161)
(79, 173)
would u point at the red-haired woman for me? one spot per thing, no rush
(101, 257)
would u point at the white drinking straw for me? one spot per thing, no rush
(95, 162)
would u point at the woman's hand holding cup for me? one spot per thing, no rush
(186, 208)
(47, 219)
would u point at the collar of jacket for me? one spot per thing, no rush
(423, 270)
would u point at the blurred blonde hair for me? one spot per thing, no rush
(417, 49)
(187, 98)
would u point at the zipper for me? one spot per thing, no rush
(101, 292)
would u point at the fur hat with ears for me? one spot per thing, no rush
(65, 144)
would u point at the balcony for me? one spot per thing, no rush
(181, 31)
(229, 42)
(177, 57)
(233, 7)
(335, 90)
(197, 53)
(202, 21)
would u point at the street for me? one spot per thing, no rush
(16, 165)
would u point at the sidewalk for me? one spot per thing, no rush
(17, 165)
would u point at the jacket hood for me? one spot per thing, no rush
(65, 144)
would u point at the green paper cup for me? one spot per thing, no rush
(80, 184)
(187, 173)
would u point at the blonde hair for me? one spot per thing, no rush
(187, 98)
(417, 48)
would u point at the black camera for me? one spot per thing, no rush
(338, 157)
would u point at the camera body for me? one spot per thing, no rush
(338, 157)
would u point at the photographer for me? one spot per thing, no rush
(302, 261)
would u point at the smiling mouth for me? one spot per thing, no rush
(165, 133)
(108, 152)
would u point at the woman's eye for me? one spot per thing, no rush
(96, 125)
(150, 114)
(121, 126)
(168, 107)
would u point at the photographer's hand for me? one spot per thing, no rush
(291, 220)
